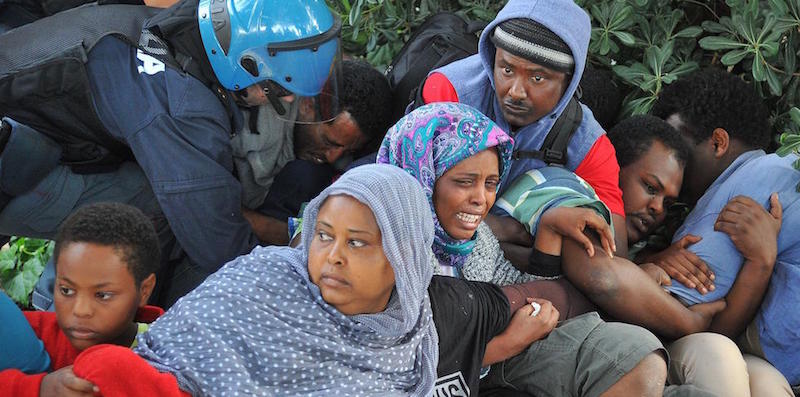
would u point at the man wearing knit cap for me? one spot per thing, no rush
(529, 63)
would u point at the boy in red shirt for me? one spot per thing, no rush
(106, 256)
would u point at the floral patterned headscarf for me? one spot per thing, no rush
(433, 139)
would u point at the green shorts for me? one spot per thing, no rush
(583, 356)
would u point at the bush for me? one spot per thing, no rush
(646, 43)
(790, 140)
(21, 264)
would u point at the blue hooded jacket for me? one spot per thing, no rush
(473, 81)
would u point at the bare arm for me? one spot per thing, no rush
(269, 230)
(555, 224)
(508, 230)
(523, 330)
(629, 294)
(160, 3)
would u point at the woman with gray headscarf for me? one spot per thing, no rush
(322, 318)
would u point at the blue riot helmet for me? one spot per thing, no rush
(284, 46)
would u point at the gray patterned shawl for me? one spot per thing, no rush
(259, 327)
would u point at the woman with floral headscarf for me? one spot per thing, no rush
(460, 156)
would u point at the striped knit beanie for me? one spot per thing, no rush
(531, 40)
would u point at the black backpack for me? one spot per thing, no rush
(444, 38)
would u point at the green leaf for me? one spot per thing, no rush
(788, 146)
(790, 60)
(684, 68)
(8, 268)
(714, 27)
(690, 32)
(600, 13)
(665, 51)
(768, 49)
(734, 57)
(34, 267)
(9, 253)
(794, 113)
(785, 24)
(625, 38)
(759, 72)
(605, 45)
(7, 264)
(621, 17)
(355, 15)
(715, 43)
(638, 106)
(778, 6)
(774, 82)
(633, 74)
(355, 36)
(15, 288)
(788, 138)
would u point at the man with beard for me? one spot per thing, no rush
(529, 63)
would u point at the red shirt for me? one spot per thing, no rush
(599, 168)
(17, 384)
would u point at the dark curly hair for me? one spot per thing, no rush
(602, 95)
(633, 137)
(712, 98)
(368, 98)
(121, 226)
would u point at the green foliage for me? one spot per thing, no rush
(648, 44)
(21, 264)
(377, 29)
(790, 140)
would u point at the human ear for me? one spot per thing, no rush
(721, 141)
(146, 289)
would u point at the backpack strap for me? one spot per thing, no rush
(475, 26)
(554, 148)
(416, 99)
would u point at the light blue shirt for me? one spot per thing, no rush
(757, 175)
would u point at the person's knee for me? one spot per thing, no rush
(702, 359)
(707, 348)
(640, 358)
(652, 368)
(647, 378)
(765, 379)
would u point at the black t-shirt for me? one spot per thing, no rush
(467, 315)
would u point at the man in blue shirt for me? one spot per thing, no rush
(167, 119)
(754, 255)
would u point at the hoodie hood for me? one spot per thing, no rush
(472, 79)
(563, 17)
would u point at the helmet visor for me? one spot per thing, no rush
(323, 106)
